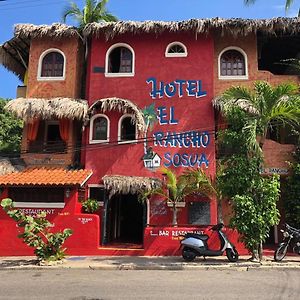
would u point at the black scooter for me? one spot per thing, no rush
(196, 245)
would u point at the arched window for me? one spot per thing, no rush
(127, 130)
(176, 49)
(99, 129)
(119, 61)
(233, 64)
(52, 65)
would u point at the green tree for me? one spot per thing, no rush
(266, 107)
(47, 245)
(93, 11)
(176, 188)
(288, 3)
(253, 198)
(292, 195)
(10, 130)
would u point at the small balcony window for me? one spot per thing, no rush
(99, 129)
(52, 65)
(176, 49)
(127, 130)
(233, 64)
(119, 61)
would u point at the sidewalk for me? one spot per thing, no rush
(148, 263)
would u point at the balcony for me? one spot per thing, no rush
(47, 147)
(21, 91)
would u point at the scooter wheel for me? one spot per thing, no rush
(232, 255)
(188, 254)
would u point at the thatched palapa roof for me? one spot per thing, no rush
(234, 26)
(117, 184)
(8, 166)
(32, 108)
(122, 105)
(14, 54)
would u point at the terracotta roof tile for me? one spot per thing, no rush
(46, 176)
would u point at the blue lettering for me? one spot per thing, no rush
(168, 158)
(205, 140)
(156, 91)
(162, 115)
(177, 140)
(191, 88)
(170, 89)
(172, 119)
(158, 138)
(186, 139)
(180, 83)
(193, 161)
(200, 93)
(203, 160)
(176, 160)
(184, 160)
(169, 140)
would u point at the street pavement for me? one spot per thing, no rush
(148, 263)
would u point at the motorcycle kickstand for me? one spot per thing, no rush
(204, 257)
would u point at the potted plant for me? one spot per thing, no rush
(90, 205)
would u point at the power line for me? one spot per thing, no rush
(13, 6)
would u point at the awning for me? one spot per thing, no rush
(46, 177)
(41, 108)
(11, 165)
(120, 184)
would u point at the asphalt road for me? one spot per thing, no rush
(76, 284)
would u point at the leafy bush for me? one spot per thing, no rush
(90, 205)
(48, 245)
(292, 193)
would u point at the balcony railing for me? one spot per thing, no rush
(47, 147)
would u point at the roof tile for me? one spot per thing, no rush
(46, 176)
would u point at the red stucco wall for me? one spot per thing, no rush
(191, 112)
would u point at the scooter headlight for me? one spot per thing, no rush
(286, 234)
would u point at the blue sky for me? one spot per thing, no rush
(49, 11)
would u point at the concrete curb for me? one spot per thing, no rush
(146, 263)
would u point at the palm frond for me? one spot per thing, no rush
(288, 4)
(72, 10)
(237, 96)
(250, 131)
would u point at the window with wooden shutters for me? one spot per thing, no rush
(99, 129)
(52, 65)
(127, 130)
(232, 63)
(119, 61)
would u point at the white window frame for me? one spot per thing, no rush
(108, 74)
(95, 185)
(119, 130)
(39, 204)
(59, 78)
(235, 77)
(167, 54)
(91, 140)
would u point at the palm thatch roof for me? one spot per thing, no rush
(122, 105)
(118, 184)
(55, 30)
(8, 166)
(234, 26)
(14, 54)
(32, 108)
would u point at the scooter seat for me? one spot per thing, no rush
(203, 237)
